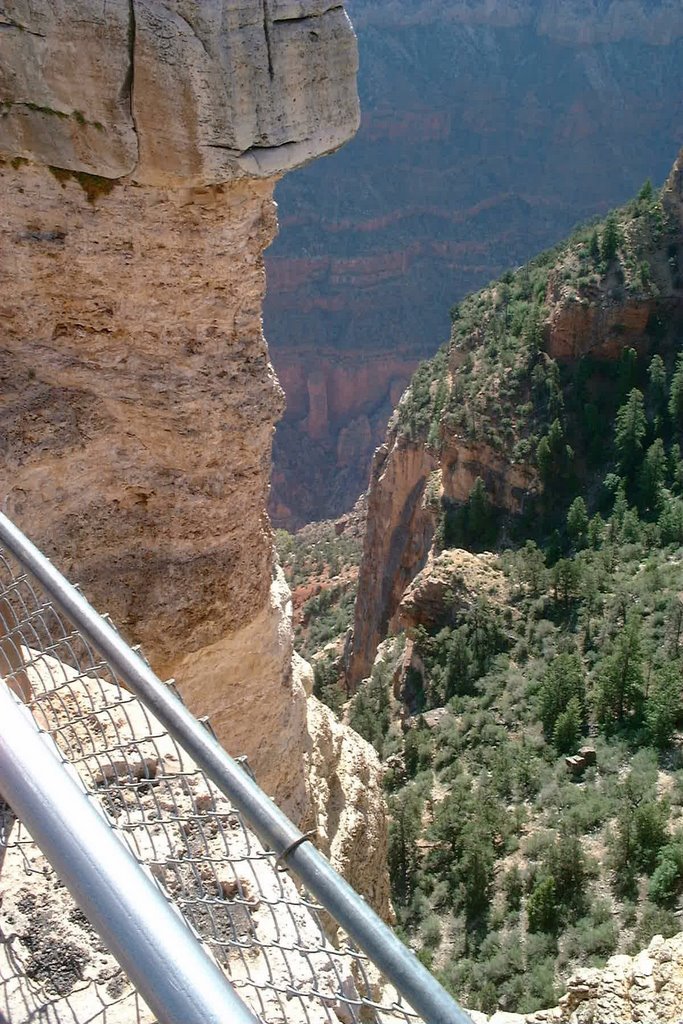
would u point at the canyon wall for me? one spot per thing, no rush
(140, 143)
(431, 458)
(489, 129)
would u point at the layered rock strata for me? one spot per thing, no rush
(139, 145)
(489, 129)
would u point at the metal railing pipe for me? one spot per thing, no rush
(163, 959)
(274, 829)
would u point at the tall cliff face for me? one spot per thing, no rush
(489, 130)
(140, 143)
(400, 529)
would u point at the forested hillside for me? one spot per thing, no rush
(547, 620)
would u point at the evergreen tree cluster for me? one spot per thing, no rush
(492, 844)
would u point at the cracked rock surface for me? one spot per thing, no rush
(176, 92)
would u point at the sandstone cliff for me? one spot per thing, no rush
(400, 528)
(489, 129)
(140, 143)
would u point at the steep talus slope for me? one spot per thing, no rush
(489, 129)
(461, 414)
(137, 400)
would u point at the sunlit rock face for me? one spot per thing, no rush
(140, 143)
(176, 93)
(139, 146)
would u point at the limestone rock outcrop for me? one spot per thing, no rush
(645, 987)
(137, 408)
(176, 92)
(449, 586)
(348, 806)
(400, 528)
(642, 989)
(140, 142)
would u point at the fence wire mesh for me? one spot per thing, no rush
(265, 932)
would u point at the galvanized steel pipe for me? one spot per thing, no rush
(273, 828)
(163, 959)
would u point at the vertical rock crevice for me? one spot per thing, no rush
(266, 33)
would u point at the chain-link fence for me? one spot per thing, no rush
(260, 926)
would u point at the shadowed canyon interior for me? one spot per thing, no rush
(489, 129)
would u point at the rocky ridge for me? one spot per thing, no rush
(137, 400)
(436, 430)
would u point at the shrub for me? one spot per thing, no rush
(542, 907)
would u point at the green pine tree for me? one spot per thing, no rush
(611, 238)
(676, 394)
(619, 677)
(631, 427)
(567, 729)
(554, 457)
(652, 479)
(657, 392)
(664, 705)
(562, 682)
(647, 192)
(577, 522)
